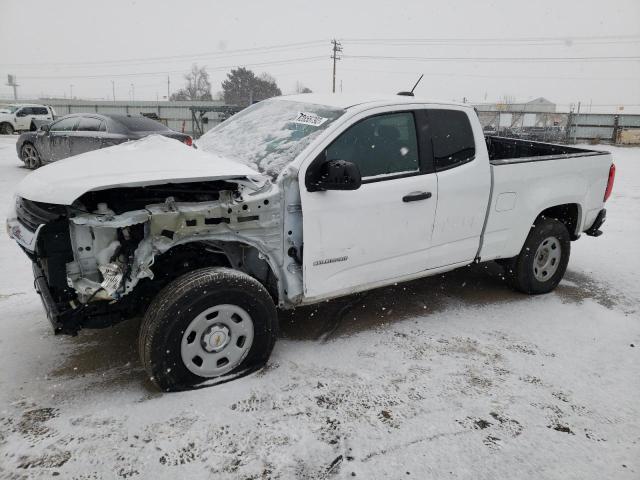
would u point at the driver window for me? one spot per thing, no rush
(379, 145)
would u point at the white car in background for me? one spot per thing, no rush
(18, 117)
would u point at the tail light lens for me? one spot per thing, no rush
(188, 141)
(612, 176)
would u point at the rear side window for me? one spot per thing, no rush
(89, 124)
(40, 111)
(142, 124)
(64, 125)
(453, 142)
(379, 145)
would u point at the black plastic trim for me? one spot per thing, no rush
(594, 230)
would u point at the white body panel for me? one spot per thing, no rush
(150, 161)
(366, 236)
(521, 191)
(463, 196)
(377, 237)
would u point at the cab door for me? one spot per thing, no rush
(23, 118)
(382, 231)
(42, 114)
(464, 185)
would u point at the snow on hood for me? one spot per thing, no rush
(152, 160)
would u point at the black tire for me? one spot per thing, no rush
(524, 272)
(6, 129)
(176, 305)
(30, 156)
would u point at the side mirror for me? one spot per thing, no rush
(21, 113)
(336, 175)
(45, 127)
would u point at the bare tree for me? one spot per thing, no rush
(198, 86)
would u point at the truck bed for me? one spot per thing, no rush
(524, 184)
(511, 150)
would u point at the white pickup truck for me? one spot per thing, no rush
(20, 117)
(293, 201)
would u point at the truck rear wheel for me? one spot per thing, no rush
(6, 129)
(207, 324)
(543, 259)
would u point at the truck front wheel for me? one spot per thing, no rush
(207, 324)
(6, 128)
(543, 259)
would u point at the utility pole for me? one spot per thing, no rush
(133, 92)
(337, 48)
(71, 91)
(168, 88)
(575, 127)
(113, 89)
(11, 82)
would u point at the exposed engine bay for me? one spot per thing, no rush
(109, 253)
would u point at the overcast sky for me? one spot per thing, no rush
(51, 46)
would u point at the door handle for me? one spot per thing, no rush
(416, 196)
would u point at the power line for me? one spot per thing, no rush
(566, 40)
(165, 72)
(474, 75)
(149, 60)
(497, 59)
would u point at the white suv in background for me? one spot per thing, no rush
(18, 117)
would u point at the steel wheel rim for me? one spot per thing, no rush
(217, 340)
(547, 259)
(30, 156)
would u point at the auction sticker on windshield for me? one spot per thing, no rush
(312, 119)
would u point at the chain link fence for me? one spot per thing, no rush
(562, 127)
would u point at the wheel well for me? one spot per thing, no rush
(184, 258)
(568, 214)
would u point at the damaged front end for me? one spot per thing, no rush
(105, 257)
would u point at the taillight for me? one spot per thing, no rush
(188, 141)
(612, 176)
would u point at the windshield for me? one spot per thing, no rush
(10, 108)
(268, 135)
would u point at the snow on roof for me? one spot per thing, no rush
(343, 100)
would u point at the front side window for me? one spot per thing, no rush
(452, 137)
(380, 145)
(64, 125)
(89, 124)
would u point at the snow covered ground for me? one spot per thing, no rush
(448, 377)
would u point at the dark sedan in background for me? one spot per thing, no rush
(82, 132)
